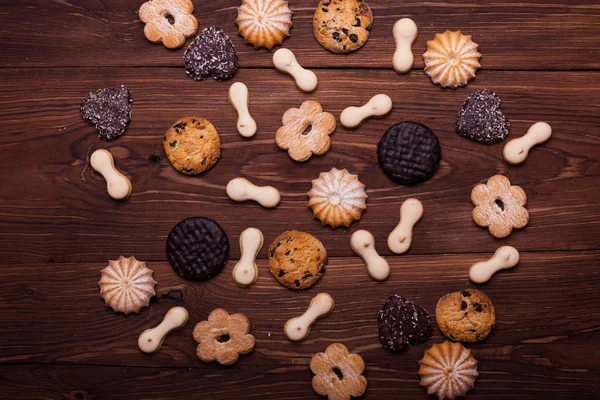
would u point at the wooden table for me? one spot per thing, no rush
(58, 227)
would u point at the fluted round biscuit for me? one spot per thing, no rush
(197, 248)
(192, 145)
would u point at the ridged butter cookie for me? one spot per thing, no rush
(192, 145)
(342, 26)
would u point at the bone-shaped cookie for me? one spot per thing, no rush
(400, 240)
(285, 61)
(297, 329)
(516, 151)
(405, 32)
(151, 340)
(239, 98)
(505, 257)
(245, 272)
(117, 184)
(240, 190)
(363, 244)
(378, 106)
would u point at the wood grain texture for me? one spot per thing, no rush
(532, 35)
(538, 346)
(58, 227)
(63, 213)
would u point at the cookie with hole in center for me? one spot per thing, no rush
(342, 26)
(297, 259)
(192, 145)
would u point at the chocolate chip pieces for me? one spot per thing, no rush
(211, 54)
(109, 110)
(481, 119)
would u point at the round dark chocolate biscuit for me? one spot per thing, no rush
(297, 259)
(465, 316)
(192, 145)
(109, 110)
(342, 26)
(409, 153)
(402, 324)
(480, 118)
(211, 54)
(197, 248)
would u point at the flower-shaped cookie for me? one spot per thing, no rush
(302, 145)
(499, 206)
(338, 375)
(156, 13)
(223, 337)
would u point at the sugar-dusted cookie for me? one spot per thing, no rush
(337, 198)
(297, 259)
(192, 145)
(109, 110)
(451, 59)
(342, 26)
(338, 374)
(156, 13)
(480, 118)
(291, 136)
(499, 206)
(409, 153)
(465, 316)
(197, 248)
(448, 370)
(402, 324)
(211, 54)
(127, 285)
(223, 337)
(264, 23)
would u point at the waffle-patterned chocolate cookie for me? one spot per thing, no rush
(197, 248)
(409, 153)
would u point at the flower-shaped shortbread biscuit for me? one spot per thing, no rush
(300, 145)
(338, 375)
(155, 14)
(499, 206)
(223, 337)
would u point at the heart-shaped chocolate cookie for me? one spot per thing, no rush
(109, 110)
(211, 54)
(481, 119)
(402, 324)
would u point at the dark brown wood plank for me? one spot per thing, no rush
(532, 35)
(544, 342)
(55, 208)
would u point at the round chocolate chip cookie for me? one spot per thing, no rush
(342, 26)
(465, 316)
(192, 145)
(297, 259)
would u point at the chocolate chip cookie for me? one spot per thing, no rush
(342, 26)
(465, 316)
(192, 145)
(297, 259)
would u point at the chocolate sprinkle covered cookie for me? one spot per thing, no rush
(197, 248)
(109, 109)
(342, 26)
(409, 153)
(465, 316)
(211, 54)
(402, 324)
(297, 259)
(481, 119)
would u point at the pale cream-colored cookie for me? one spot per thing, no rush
(291, 136)
(264, 23)
(363, 243)
(241, 189)
(505, 257)
(516, 151)
(245, 272)
(405, 33)
(379, 106)
(285, 61)
(151, 340)
(297, 329)
(239, 98)
(117, 184)
(156, 14)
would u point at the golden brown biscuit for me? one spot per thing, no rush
(297, 259)
(172, 33)
(264, 23)
(192, 145)
(465, 316)
(338, 374)
(342, 26)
